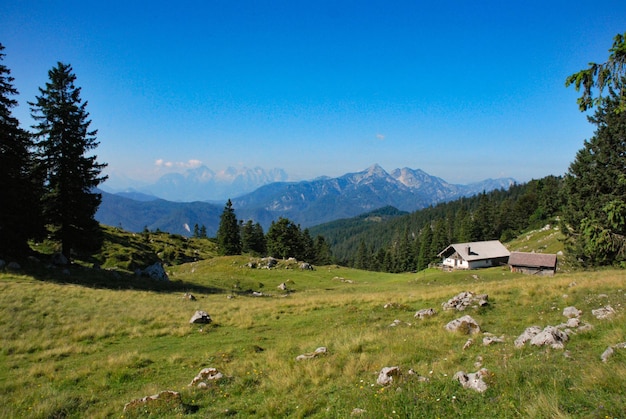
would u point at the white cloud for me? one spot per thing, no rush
(189, 164)
(194, 163)
(381, 137)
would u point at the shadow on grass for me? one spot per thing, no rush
(111, 279)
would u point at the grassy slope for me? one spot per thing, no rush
(71, 349)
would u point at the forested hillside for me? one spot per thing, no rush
(400, 243)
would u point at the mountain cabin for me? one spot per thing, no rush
(474, 255)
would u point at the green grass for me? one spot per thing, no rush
(73, 346)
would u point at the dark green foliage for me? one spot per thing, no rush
(323, 255)
(284, 239)
(594, 219)
(253, 238)
(610, 75)
(199, 232)
(69, 174)
(228, 235)
(19, 212)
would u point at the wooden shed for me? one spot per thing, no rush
(533, 263)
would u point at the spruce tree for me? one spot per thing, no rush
(70, 174)
(19, 212)
(284, 239)
(252, 238)
(594, 218)
(323, 255)
(228, 235)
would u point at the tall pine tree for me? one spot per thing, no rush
(19, 212)
(69, 173)
(228, 234)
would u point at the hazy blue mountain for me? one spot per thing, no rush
(307, 203)
(137, 196)
(173, 217)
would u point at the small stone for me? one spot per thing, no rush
(571, 312)
(602, 313)
(206, 374)
(465, 324)
(474, 380)
(385, 377)
(200, 317)
(425, 312)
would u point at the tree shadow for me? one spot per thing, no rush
(111, 279)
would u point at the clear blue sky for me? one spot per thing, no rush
(465, 90)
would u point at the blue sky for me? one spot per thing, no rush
(463, 90)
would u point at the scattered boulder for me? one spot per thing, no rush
(165, 400)
(425, 312)
(473, 380)
(528, 334)
(469, 343)
(489, 339)
(551, 336)
(204, 376)
(357, 411)
(156, 272)
(611, 350)
(319, 351)
(603, 313)
(200, 317)
(466, 299)
(270, 262)
(466, 325)
(282, 287)
(571, 312)
(607, 354)
(385, 377)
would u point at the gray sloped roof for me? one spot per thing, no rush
(533, 260)
(477, 250)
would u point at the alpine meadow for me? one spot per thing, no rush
(388, 314)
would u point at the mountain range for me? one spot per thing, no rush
(307, 203)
